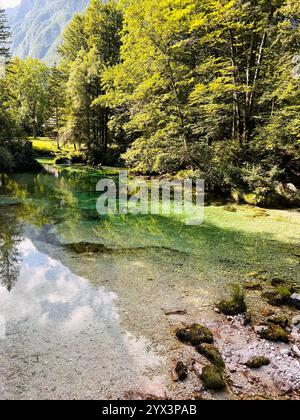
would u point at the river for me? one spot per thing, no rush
(93, 325)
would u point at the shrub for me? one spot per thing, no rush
(6, 160)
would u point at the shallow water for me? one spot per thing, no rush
(93, 325)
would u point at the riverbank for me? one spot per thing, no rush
(278, 193)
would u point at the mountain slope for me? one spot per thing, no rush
(37, 25)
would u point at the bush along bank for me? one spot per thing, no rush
(17, 156)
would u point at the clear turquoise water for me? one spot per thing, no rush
(91, 325)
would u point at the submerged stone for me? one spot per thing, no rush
(267, 312)
(280, 320)
(258, 362)
(274, 298)
(232, 308)
(213, 378)
(296, 351)
(296, 320)
(87, 248)
(195, 334)
(181, 371)
(252, 285)
(257, 274)
(212, 353)
(274, 333)
(236, 305)
(277, 282)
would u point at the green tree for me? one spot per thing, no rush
(6, 121)
(197, 83)
(90, 44)
(28, 82)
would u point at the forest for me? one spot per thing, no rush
(180, 88)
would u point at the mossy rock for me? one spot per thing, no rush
(213, 378)
(274, 333)
(274, 298)
(233, 307)
(195, 334)
(258, 362)
(285, 291)
(256, 274)
(276, 281)
(280, 320)
(86, 248)
(212, 354)
(181, 371)
(252, 285)
(230, 308)
(236, 305)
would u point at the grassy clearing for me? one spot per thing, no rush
(45, 146)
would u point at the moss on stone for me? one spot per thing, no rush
(195, 334)
(258, 362)
(236, 305)
(280, 320)
(276, 281)
(285, 292)
(212, 354)
(274, 298)
(86, 248)
(213, 378)
(252, 285)
(274, 333)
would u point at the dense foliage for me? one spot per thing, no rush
(209, 85)
(196, 87)
(14, 152)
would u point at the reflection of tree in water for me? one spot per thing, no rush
(10, 238)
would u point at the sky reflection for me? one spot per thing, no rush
(69, 335)
(48, 292)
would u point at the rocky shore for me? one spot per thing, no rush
(250, 347)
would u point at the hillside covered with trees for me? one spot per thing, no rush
(202, 88)
(37, 26)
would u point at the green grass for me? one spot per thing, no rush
(46, 160)
(45, 146)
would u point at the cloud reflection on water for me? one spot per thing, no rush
(49, 292)
(75, 329)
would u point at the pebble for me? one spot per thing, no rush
(296, 351)
(260, 328)
(232, 368)
(296, 320)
